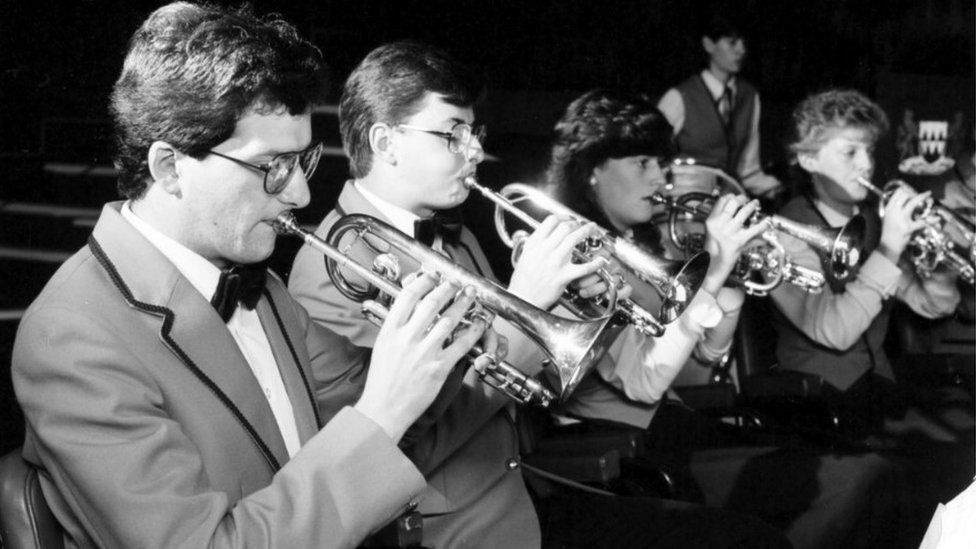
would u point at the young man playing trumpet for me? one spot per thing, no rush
(163, 408)
(406, 117)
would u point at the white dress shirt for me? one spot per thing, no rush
(749, 169)
(244, 326)
(400, 218)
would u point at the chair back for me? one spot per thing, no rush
(755, 338)
(26, 521)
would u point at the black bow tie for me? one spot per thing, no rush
(446, 223)
(241, 284)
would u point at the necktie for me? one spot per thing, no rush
(725, 105)
(240, 284)
(446, 223)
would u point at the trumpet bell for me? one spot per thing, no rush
(573, 346)
(845, 254)
(675, 281)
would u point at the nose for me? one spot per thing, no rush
(474, 152)
(864, 162)
(740, 46)
(296, 194)
(656, 175)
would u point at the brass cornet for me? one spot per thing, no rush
(573, 347)
(839, 249)
(676, 282)
(933, 245)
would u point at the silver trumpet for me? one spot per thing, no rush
(839, 249)
(573, 347)
(936, 243)
(676, 282)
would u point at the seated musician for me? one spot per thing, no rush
(839, 334)
(408, 126)
(606, 162)
(164, 408)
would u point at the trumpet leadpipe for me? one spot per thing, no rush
(496, 373)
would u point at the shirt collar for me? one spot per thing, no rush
(202, 274)
(715, 86)
(832, 216)
(400, 218)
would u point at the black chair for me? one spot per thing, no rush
(26, 521)
(780, 400)
(612, 460)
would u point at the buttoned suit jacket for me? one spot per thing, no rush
(151, 430)
(464, 445)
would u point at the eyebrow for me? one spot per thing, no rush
(457, 121)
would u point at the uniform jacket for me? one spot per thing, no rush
(151, 430)
(466, 446)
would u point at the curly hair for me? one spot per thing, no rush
(597, 126)
(818, 115)
(389, 86)
(193, 70)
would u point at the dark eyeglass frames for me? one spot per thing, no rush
(459, 139)
(279, 170)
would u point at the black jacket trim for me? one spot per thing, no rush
(168, 316)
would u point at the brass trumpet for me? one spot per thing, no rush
(839, 249)
(676, 282)
(933, 245)
(573, 347)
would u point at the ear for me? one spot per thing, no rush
(808, 162)
(708, 45)
(595, 175)
(162, 159)
(382, 143)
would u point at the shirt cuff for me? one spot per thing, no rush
(702, 314)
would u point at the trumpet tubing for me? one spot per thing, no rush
(573, 347)
(675, 282)
(933, 245)
(840, 249)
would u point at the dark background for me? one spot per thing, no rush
(58, 62)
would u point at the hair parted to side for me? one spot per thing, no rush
(193, 70)
(597, 126)
(817, 116)
(390, 85)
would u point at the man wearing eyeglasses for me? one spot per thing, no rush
(169, 386)
(407, 122)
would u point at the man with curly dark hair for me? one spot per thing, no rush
(169, 386)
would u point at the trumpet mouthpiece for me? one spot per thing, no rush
(863, 181)
(285, 223)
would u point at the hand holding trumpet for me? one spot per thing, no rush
(727, 233)
(417, 346)
(545, 266)
(899, 221)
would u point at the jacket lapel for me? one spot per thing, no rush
(290, 370)
(191, 328)
(351, 201)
